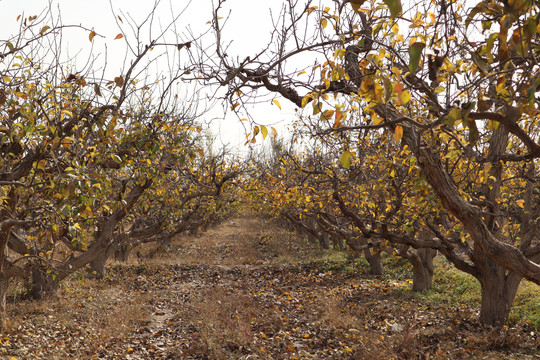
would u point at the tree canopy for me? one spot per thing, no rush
(439, 98)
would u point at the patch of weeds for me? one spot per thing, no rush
(452, 286)
(526, 307)
(396, 268)
(19, 290)
(332, 260)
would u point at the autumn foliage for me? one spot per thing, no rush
(415, 134)
(417, 128)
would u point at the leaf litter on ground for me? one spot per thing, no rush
(248, 289)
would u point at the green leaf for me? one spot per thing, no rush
(529, 27)
(415, 52)
(473, 130)
(116, 158)
(316, 108)
(479, 62)
(530, 95)
(345, 159)
(356, 4)
(394, 6)
(483, 6)
(453, 116)
(467, 108)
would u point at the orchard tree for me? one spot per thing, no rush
(78, 151)
(454, 84)
(354, 205)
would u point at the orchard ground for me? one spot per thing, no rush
(248, 289)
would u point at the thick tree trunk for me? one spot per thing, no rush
(97, 265)
(99, 248)
(423, 269)
(122, 252)
(4, 282)
(324, 240)
(498, 293)
(43, 283)
(374, 260)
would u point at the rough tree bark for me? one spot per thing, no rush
(373, 257)
(423, 269)
(43, 283)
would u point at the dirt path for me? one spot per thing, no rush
(247, 290)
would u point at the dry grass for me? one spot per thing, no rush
(247, 290)
(242, 241)
(336, 313)
(224, 322)
(79, 312)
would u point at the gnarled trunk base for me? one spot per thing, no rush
(423, 269)
(43, 284)
(498, 293)
(4, 282)
(374, 260)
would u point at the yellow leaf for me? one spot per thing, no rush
(67, 112)
(306, 99)
(404, 97)
(324, 22)
(345, 159)
(376, 120)
(264, 131)
(453, 116)
(91, 36)
(44, 29)
(398, 134)
(316, 108)
(41, 165)
(277, 103)
(274, 131)
(328, 114)
(520, 203)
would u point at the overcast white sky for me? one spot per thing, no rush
(248, 24)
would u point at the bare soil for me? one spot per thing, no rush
(248, 290)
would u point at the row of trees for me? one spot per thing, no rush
(421, 124)
(433, 114)
(90, 166)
